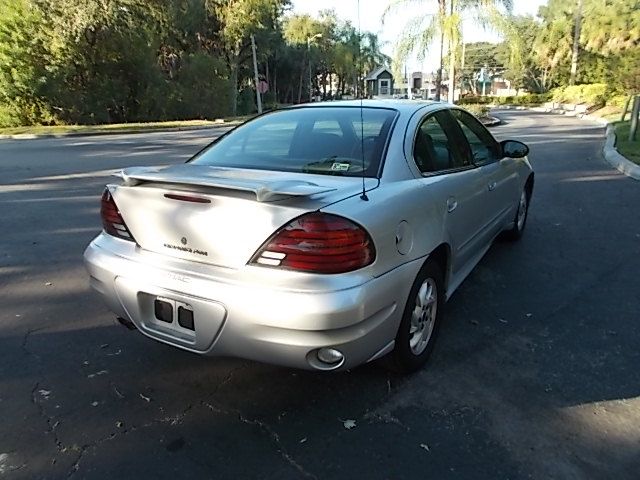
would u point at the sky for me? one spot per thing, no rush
(370, 20)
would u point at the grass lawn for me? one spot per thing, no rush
(631, 150)
(116, 127)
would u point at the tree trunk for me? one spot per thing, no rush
(300, 86)
(275, 84)
(439, 74)
(626, 108)
(234, 87)
(576, 44)
(324, 86)
(452, 73)
(452, 62)
(635, 112)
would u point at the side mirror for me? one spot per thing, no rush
(514, 149)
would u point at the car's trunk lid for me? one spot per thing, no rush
(220, 216)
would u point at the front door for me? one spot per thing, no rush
(383, 87)
(499, 174)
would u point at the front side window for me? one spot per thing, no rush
(484, 148)
(324, 140)
(435, 147)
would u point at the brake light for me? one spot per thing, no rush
(318, 243)
(112, 221)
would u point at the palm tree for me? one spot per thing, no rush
(446, 25)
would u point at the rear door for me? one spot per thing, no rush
(500, 190)
(453, 182)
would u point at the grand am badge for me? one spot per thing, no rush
(186, 249)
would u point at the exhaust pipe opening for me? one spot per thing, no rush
(126, 323)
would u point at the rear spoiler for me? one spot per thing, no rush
(227, 178)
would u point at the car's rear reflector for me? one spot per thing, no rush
(318, 243)
(112, 221)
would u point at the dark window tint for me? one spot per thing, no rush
(326, 140)
(435, 148)
(484, 148)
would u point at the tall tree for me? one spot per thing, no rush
(24, 56)
(238, 20)
(446, 24)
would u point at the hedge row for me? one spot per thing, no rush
(528, 99)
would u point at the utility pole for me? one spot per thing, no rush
(309, 56)
(255, 75)
(576, 43)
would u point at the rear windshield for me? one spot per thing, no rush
(324, 140)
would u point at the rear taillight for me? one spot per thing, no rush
(112, 221)
(318, 243)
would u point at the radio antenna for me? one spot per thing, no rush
(364, 190)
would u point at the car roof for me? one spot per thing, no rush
(403, 106)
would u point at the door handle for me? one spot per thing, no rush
(452, 204)
(492, 186)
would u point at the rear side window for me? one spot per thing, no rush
(436, 148)
(321, 140)
(484, 148)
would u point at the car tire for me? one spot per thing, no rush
(421, 319)
(520, 220)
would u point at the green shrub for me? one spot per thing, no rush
(471, 100)
(8, 117)
(594, 95)
(477, 109)
(617, 101)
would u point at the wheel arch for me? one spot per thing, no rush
(528, 185)
(442, 256)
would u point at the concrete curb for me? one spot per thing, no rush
(557, 111)
(491, 121)
(609, 152)
(617, 160)
(34, 136)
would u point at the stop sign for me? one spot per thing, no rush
(263, 86)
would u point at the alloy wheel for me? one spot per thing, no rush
(423, 317)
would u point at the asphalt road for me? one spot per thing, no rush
(536, 373)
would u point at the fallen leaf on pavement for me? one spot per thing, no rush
(349, 424)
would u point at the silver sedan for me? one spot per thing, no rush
(320, 236)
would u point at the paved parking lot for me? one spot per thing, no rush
(536, 373)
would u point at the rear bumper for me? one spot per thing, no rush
(253, 320)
